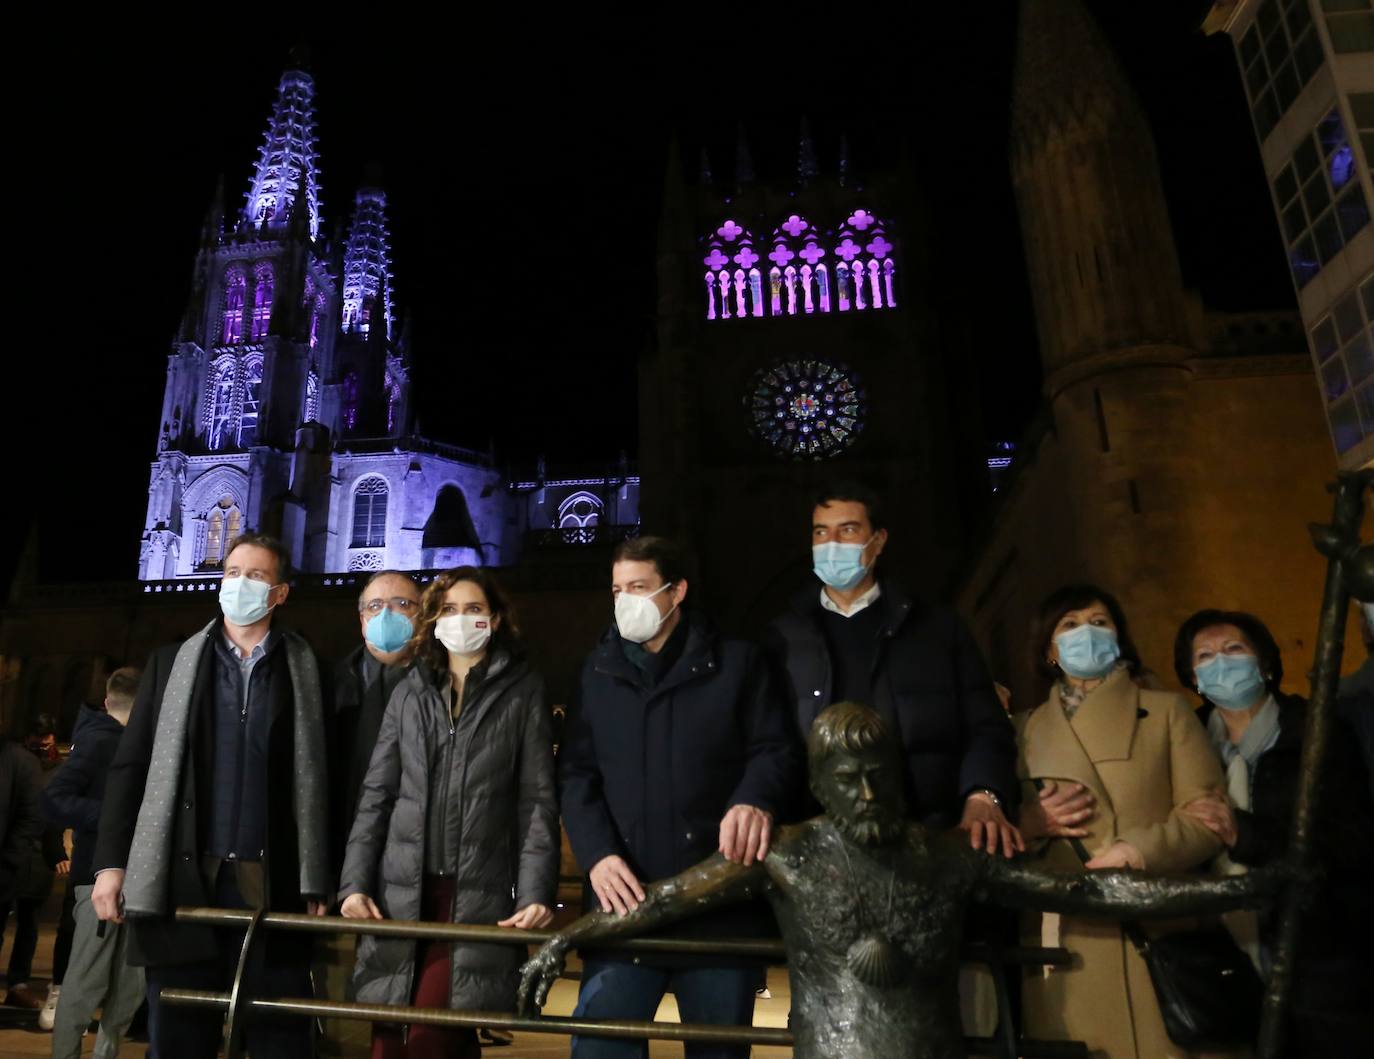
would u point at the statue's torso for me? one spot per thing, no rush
(873, 939)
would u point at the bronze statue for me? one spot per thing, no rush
(872, 907)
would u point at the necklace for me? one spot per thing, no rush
(874, 959)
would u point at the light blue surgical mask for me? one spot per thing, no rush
(388, 631)
(1088, 651)
(840, 566)
(1233, 682)
(244, 602)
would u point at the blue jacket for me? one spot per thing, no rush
(646, 773)
(73, 795)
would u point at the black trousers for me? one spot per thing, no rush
(66, 930)
(25, 936)
(177, 1032)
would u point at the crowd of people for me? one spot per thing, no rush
(417, 780)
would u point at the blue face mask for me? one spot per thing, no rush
(839, 565)
(1087, 651)
(244, 602)
(388, 631)
(1233, 682)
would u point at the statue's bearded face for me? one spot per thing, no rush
(862, 795)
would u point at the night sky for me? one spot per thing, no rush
(516, 169)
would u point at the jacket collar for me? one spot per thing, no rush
(699, 655)
(1101, 730)
(894, 603)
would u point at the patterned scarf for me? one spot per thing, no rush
(147, 881)
(1070, 697)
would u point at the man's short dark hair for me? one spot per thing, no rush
(42, 726)
(122, 686)
(269, 543)
(362, 593)
(854, 493)
(1254, 630)
(667, 557)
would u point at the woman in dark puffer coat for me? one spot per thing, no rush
(457, 819)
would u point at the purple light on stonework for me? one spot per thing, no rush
(879, 247)
(811, 253)
(823, 285)
(890, 270)
(861, 219)
(729, 231)
(236, 284)
(350, 400)
(710, 295)
(794, 226)
(715, 260)
(746, 257)
(756, 291)
(781, 255)
(849, 249)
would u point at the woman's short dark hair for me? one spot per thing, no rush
(668, 559)
(424, 646)
(1255, 631)
(1076, 597)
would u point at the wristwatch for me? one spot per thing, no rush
(989, 792)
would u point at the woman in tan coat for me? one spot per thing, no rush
(1139, 757)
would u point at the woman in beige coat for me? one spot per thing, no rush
(1134, 758)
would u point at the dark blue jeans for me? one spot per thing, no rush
(617, 990)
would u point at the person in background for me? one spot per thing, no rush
(46, 856)
(99, 975)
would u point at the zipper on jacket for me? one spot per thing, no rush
(244, 681)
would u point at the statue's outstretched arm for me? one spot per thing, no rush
(1127, 894)
(713, 882)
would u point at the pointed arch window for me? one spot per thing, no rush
(223, 523)
(252, 394)
(369, 513)
(235, 291)
(221, 406)
(262, 300)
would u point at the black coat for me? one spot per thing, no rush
(646, 773)
(351, 730)
(21, 824)
(930, 677)
(155, 940)
(73, 795)
(1338, 926)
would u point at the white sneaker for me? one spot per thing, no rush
(48, 1015)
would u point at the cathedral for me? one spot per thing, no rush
(288, 402)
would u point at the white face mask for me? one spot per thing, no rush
(637, 618)
(463, 634)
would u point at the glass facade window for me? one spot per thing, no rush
(1320, 202)
(1278, 56)
(1343, 344)
(1362, 110)
(1349, 24)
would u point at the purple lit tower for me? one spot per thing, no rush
(287, 400)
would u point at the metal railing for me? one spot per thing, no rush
(238, 1005)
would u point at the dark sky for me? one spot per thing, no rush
(516, 168)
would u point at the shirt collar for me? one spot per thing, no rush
(867, 599)
(259, 649)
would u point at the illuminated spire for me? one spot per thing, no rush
(367, 264)
(288, 161)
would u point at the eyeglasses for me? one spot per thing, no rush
(399, 604)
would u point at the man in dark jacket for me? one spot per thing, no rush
(217, 796)
(21, 826)
(859, 637)
(677, 747)
(363, 683)
(99, 976)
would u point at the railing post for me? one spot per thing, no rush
(237, 1014)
